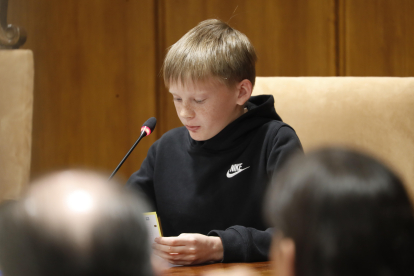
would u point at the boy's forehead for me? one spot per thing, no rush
(200, 84)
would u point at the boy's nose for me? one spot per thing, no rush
(186, 112)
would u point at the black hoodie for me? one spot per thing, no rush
(216, 187)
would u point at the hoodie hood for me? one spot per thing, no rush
(261, 110)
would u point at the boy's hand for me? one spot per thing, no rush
(189, 249)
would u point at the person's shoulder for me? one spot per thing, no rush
(173, 134)
(281, 136)
(277, 129)
(276, 125)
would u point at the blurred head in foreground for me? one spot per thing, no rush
(74, 223)
(338, 212)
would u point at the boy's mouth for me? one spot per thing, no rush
(192, 128)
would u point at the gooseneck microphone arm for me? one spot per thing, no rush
(146, 129)
(143, 134)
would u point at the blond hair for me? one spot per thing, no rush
(212, 48)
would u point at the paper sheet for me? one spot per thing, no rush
(153, 225)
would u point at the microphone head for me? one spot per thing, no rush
(149, 125)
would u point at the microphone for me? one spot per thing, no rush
(146, 129)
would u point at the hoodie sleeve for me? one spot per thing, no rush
(244, 244)
(142, 181)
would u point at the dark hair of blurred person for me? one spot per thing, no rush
(338, 212)
(74, 223)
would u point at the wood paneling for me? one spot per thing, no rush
(94, 80)
(377, 37)
(292, 38)
(98, 62)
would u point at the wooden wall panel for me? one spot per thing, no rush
(292, 38)
(98, 62)
(94, 80)
(376, 37)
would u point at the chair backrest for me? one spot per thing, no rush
(16, 106)
(371, 114)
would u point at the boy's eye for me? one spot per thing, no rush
(177, 99)
(199, 101)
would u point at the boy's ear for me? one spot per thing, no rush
(244, 90)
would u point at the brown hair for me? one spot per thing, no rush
(212, 48)
(347, 214)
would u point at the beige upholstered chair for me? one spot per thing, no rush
(371, 114)
(16, 106)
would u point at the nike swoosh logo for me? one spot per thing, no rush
(230, 175)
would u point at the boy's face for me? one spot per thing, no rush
(206, 107)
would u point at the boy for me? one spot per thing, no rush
(208, 177)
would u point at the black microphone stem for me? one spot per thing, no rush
(143, 134)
